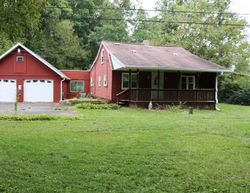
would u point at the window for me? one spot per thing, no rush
(133, 80)
(99, 81)
(125, 80)
(76, 86)
(188, 82)
(91, 82)
(20, 59)
(102, 56)
(105, 83)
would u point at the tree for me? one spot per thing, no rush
(63, 48)
(17, 18)
(141, 28)
(223, 44)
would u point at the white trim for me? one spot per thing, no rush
(171, 69)
(216, 94)
(37, 57)
(61, 99)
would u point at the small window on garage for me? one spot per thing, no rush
(20, 59)
(76, 86)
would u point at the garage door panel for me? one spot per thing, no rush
(7, 90)
(38, 90)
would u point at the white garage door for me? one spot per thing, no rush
(7, 90)
(38, 91)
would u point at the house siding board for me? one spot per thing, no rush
(31, 69)
(99, 69)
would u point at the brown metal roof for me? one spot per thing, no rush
(158, 57)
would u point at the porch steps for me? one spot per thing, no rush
(123, 102)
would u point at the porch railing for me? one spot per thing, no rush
(167, 95)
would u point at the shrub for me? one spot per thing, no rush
(242, 96)
(97, 106)
(234, 89)
(34, 117)
(75, 101)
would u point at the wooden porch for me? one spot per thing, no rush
(168, 88)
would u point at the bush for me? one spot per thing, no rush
(234, 89)
(242, 96)
(97, 106)
(75, 101)
(34, 117)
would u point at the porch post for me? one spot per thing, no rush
(137, 85)
(130, 82)
(158, 94)
(216, 92)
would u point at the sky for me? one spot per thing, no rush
(237, 6)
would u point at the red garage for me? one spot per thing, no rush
(28, 77)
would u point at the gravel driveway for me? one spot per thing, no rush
(37, 108)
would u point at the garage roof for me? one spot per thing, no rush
(37, 57)
(141, 56)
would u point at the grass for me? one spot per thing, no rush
(38, 117)
(129, 150)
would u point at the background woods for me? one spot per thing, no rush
(67, 32)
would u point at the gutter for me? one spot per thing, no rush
(173, 69)
(62, 88)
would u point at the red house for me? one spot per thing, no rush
(29, 78)
(140, 73)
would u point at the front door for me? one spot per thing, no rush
(157, 82)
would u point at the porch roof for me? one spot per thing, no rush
(126, 56)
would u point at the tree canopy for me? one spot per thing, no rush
(68, 32)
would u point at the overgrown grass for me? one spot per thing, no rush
(90, 106)
(127, 151)
(38, 117)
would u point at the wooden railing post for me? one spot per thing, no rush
(137, 85)
(158, 94)
(129, 84)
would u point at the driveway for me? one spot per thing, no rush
(37, 108)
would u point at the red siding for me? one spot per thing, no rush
(99, 69)
(82, 75)
(31, 68)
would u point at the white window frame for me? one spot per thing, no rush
(105, 81)
(187, 81)
(129, 83)
(22, 57)
(99, 81)
(71, 81)
(91, 82)
(102, 56)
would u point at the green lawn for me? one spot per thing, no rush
(129, 150)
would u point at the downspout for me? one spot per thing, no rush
(216, 93)
(62, 88)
